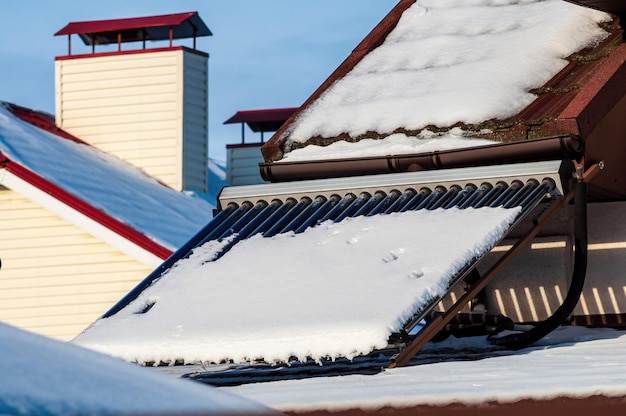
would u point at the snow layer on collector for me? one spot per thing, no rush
(453, 61)
(338, 289)
(107, 183)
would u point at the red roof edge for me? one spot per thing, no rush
(130, 52)
(84, 208)
(40, 119)
(161, 27)
(272, 150)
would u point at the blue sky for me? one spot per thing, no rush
(263, 53)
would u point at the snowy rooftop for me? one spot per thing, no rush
(41, 376)
(105, 182)
(572, 362)
(435, 69)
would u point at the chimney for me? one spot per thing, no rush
(148, 106)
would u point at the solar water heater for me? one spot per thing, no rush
(538, 190)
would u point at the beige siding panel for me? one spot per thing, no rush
(160, 138)
(137, 120)
(119, 62)
(144, 81)
(126, 129)
(123, 95)
(161, 108)
(120, 74)
(110, 104)
(127, 104)
(55, 278)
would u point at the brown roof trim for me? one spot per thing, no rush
(600, 93)
(272, 150)
(557, 406)
(548, 148)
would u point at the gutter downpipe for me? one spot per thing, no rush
(543, 328)
(549, 148)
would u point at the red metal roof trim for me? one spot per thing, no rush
(130, 52)
(40, 119)
(272, 150)
(100, 32)
(260, 116)
(262, 120)
(84, 208)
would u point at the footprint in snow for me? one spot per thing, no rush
(393, 255)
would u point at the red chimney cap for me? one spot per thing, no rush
(102, 32)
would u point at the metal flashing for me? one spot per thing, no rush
(387, 183)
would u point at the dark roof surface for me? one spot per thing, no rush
(262, 120)
(609, 6)
(101, 32)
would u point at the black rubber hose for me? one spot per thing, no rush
(521, 340)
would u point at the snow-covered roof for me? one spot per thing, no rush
(570, 363)
(41, 376)
(435, 71)
(97, 191)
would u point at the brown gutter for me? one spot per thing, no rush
(549, 148)
(273, 149)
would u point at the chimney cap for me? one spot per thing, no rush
(102, 32)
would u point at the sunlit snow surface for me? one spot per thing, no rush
(570, 362)
(338, 289)
(107, 183)
(395, 144)
(452, 61)
(41, 376)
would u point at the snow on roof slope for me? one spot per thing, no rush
(394, 144)
(41, 376)
(337, 289)
(571, 362)
(105, 182)
(452, 61)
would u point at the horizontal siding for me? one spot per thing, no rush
(120, 95)
(55, 278)
(119, 62)
(195, 123)
(119, 110)
(127, 124)
(109, 103)
(146, 80)
(129, 104)
(158, 138)
(242, 167)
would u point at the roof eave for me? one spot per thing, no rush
(84, 215)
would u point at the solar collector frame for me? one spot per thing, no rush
(269, 209)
